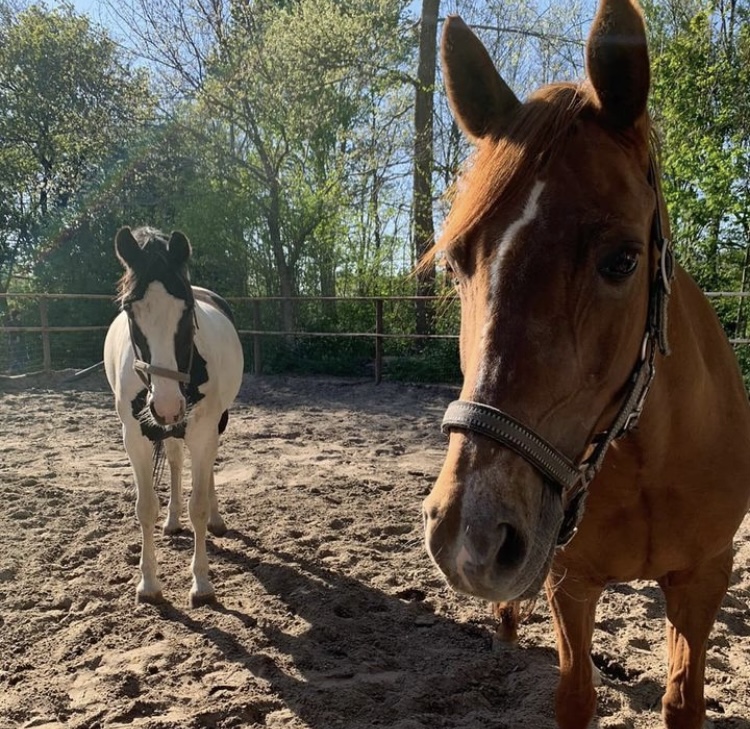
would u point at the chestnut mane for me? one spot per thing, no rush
(504, 168)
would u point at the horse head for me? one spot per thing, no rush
(156, 295)
(549, 242)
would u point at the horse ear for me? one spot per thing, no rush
(179, 248)
(617, 61)
(482, 103)
(126, 247)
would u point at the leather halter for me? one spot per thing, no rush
(145, 370)
(574, 479)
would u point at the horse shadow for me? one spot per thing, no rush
(731, 615)
(365, 658)
(368, 658)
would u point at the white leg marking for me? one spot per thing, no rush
(147, 509)
(216, 524)
(203, 457)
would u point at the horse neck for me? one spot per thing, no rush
(699, 383)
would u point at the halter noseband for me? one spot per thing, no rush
(553, 465)
(145, 370)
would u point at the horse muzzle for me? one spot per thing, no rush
(492, 528)
(167, 411)
(484, 567)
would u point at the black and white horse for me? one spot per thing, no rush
(174, 362)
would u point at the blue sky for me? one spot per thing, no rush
(86, 6)
(92, 8)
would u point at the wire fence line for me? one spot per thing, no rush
(46, 332)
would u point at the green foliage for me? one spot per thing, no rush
(292, 83)
(278, 135)
(67, 101)
(701, 104)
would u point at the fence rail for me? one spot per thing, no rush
(256, 333)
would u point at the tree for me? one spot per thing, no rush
(701, 104)
(286, 84)
(531, 44)
(65, 101)
(423, 227)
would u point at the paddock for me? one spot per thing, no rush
(329, 613)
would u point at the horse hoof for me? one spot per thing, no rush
(149, 598)
(218, 530)
(199, 599)
(171, 529)
(508, 615)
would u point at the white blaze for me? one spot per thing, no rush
(530, 212)
(158, 314)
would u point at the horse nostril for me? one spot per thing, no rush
(157, 418)
(511, 547)
(430, 514)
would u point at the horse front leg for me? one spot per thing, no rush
(693, 598)
(139, 450)
(508, 615)
(573, 605)
(175, 458)
(216, 524)
(203, 454)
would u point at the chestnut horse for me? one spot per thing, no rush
(582, 452)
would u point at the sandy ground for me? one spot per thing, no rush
(330, 614)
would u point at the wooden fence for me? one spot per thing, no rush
(256, 332)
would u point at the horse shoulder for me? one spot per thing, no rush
(217, 341)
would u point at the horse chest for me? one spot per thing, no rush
(637, 528)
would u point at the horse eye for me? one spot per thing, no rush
(619, 265)
(451, 274)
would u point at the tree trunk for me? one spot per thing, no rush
(286, 283)
(740, 329)
(423, 229)
(273, 215)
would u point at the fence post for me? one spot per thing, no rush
(44, 320)
(257, 365)
(378, 340)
